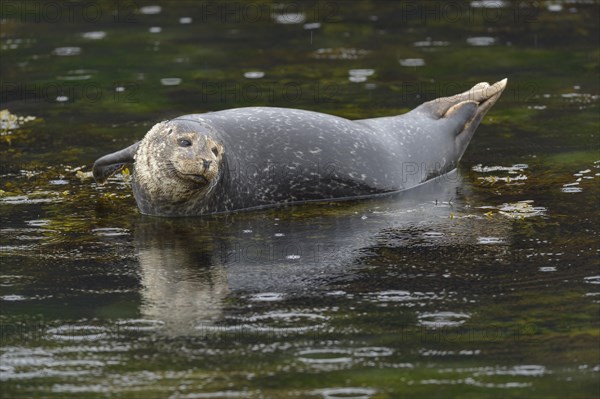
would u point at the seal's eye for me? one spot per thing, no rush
(215, 151)
(184, 143)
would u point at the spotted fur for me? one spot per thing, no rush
(256, 157)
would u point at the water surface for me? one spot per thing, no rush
(484, 284)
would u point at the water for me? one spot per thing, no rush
(484, 284)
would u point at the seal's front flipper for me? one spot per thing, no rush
(110, 164)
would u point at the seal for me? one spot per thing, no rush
(256, 157)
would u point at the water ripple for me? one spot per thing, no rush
(38, 222)
(97, 35)
(211, 395)
(140, 324)
(71, 332)
(592, 279)
(70, 388)
(271, 322)
(442, 319)
(289, 18)
(254, 75)
(24, 364)
(325, 356)
(488, 4)
(373, 351)
(13, 298)
(412, 62)
(481, 41)
(433, 234)
(473, 382)
(25, 199)
(490, 240)
(284, 321)
(170, 81)
(346, 393)
(110, 231)
(267, 297)
(312, 25)
(340, 53)
(430, 43)
(407, 298)
(151, 10)
(66, 51)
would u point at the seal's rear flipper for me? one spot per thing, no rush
(459, 115)
(110, 164)
(487, 98)
(458, 112)
(483, 94)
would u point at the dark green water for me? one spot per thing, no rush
(484, 285)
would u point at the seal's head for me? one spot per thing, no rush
(177, 161)
(176, 166)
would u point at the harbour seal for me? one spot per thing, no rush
(256, 157)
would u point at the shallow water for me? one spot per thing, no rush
(484, 284)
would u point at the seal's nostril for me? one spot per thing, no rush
(206, 164)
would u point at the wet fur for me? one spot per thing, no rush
(368, 156)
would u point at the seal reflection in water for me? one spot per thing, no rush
(249, 158)
(191, 268)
